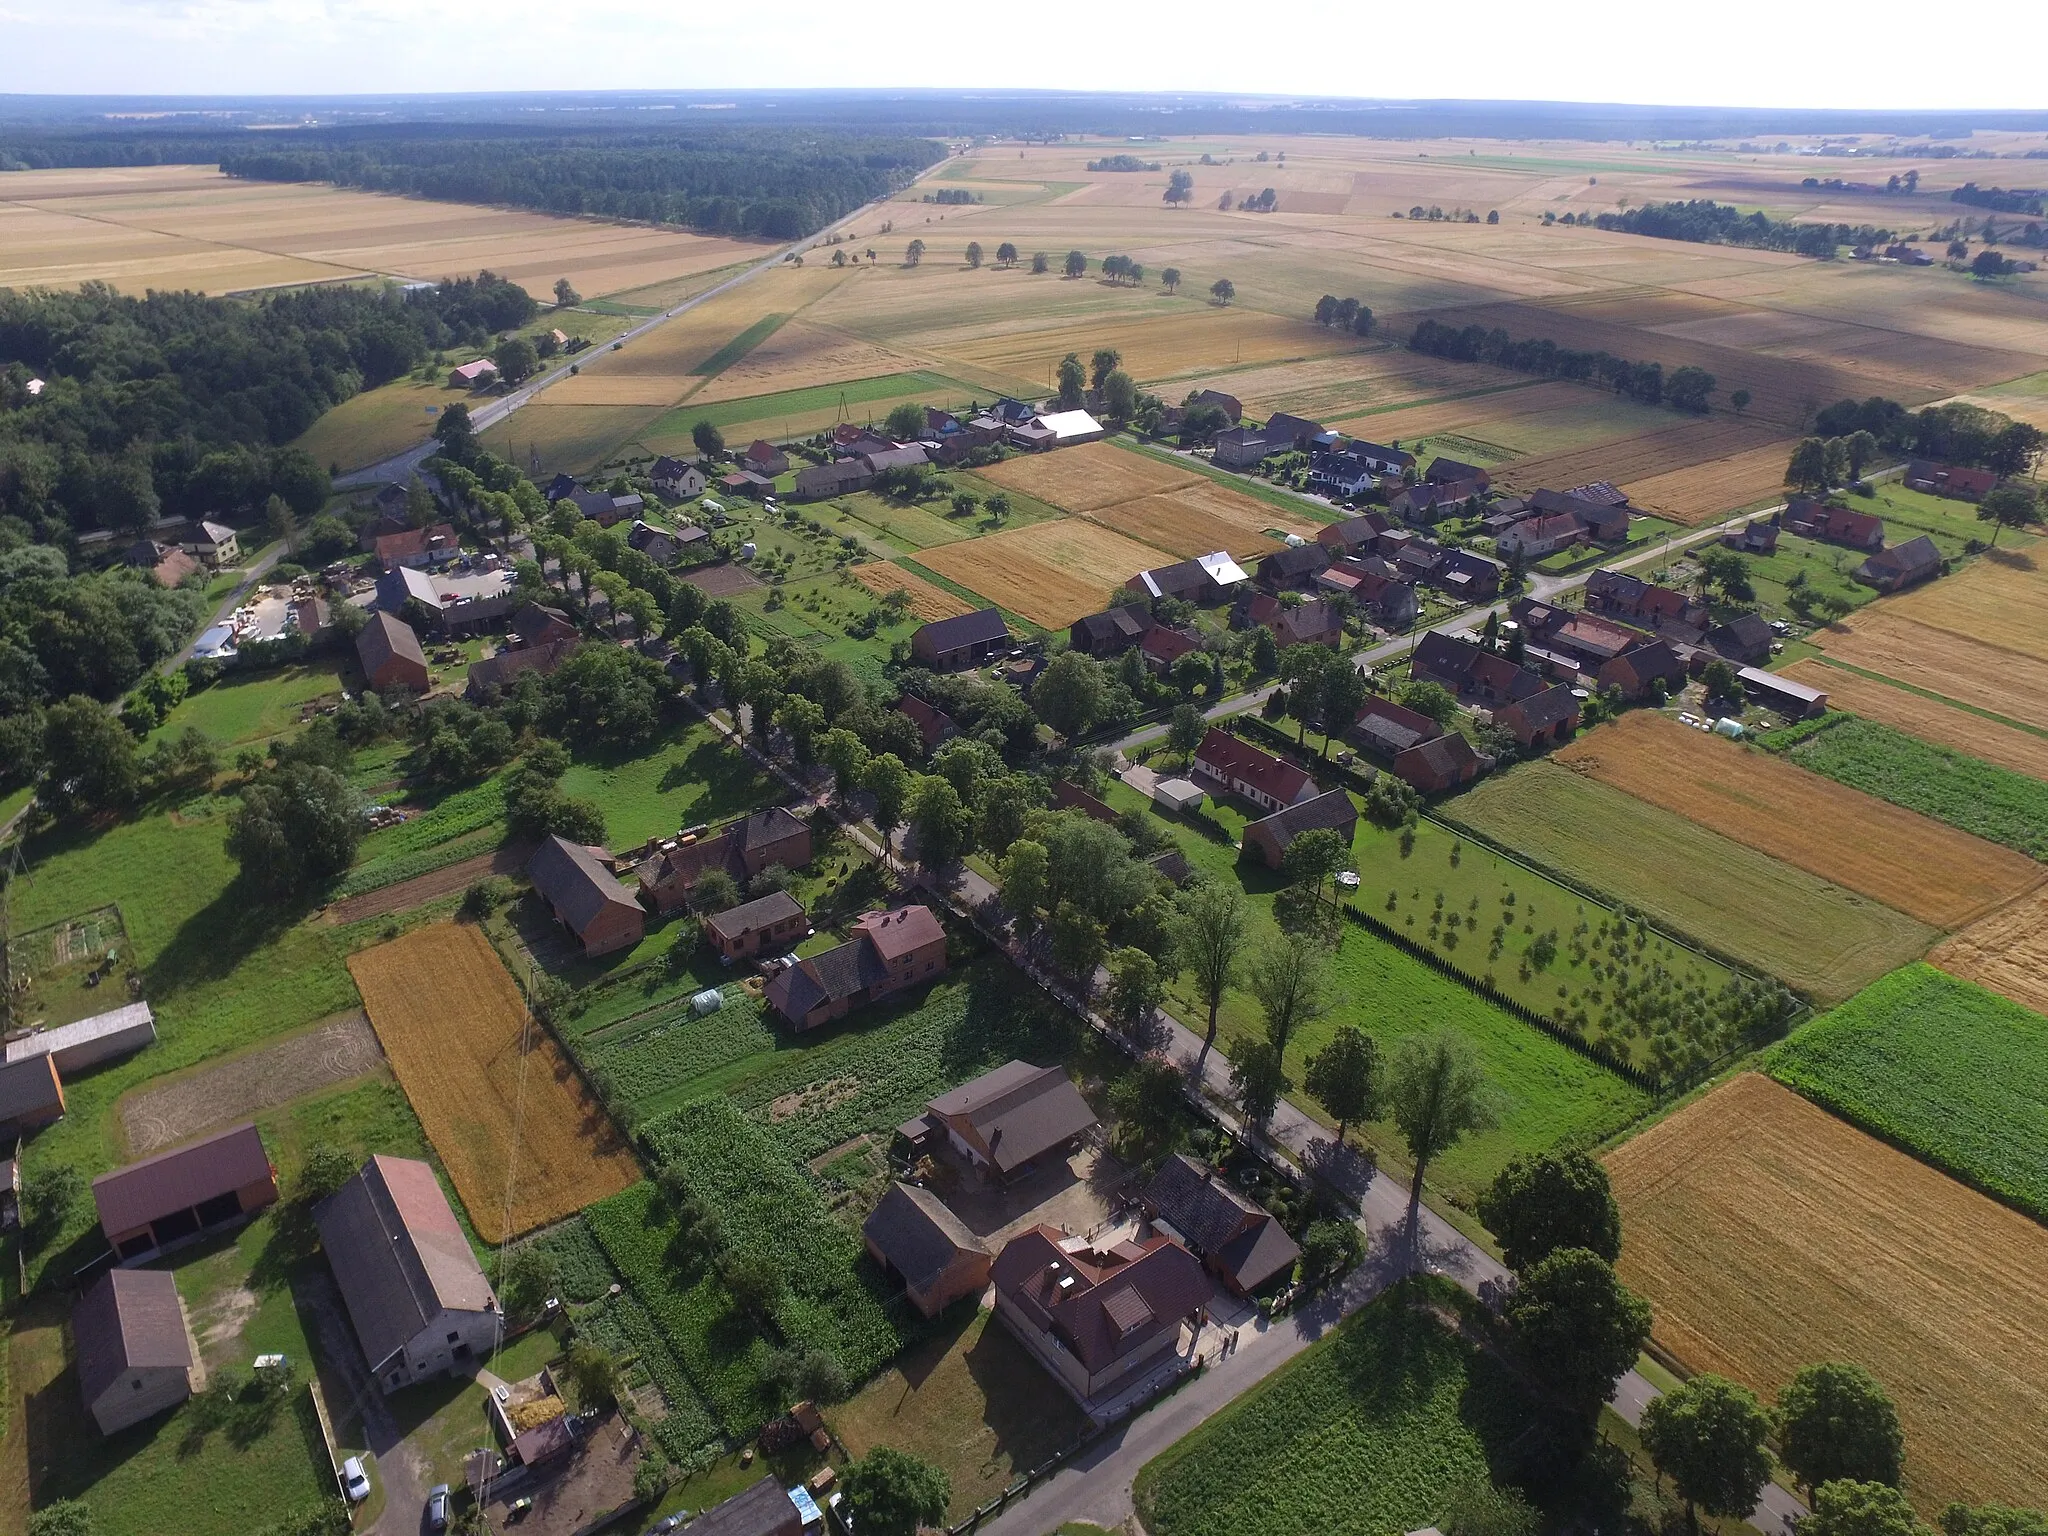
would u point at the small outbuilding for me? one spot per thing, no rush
(188, 1190)
(1181, 795)
(1007, 1119)
(913, 1236)
(134, 1348)
(391, 655)
(30, 1095)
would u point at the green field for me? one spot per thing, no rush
(240, 709)
(1993, 803)
(1954, 1074)
(1815, 937)
(936, 387)
(1368, 1433)
(686, 777)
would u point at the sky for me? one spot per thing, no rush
(1787, 53)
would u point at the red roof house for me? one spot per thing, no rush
(1222, 762)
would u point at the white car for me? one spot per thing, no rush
(355, 1479)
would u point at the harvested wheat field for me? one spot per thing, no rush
(1188, 338)
(1646, 456)
(2001, 600)
(2007, 952)
(1051, 572)
(1196, 519)
(1931, 720)
(926, 601)
(1716, 489)
(1090, 476)
(1911, 863)
(1952, 665)
(453, 1026)
(1767, 1235)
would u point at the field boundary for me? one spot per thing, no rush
(1925, 693)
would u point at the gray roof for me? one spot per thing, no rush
(976, 628)
(896, 458)
(1548, 708)
(917, 1234)
(838, 972)
(1331, 810)
(28, 1086)
(130, 1320)
(1916, 554)
(401, 582)
(398, 1254)
(1019, 1110)
(762, 912)
(1258, 1253)
(575, 883)
(765, 1509)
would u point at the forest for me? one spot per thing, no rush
(1707, 222)
(1683, 389)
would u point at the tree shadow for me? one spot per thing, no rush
(213, 942)
(2011, 559)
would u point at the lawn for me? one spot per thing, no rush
(1990, 802)
(1369, 1432)
(378, 423)
(240, 709)
(933, 387)
(687, 776)
(1816, 937)
(1952, 1073)
(971, 1400)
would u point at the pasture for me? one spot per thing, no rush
(1953, 1073)
(1928, 871)
(520, 1136)
(1816, 937)
(926, 601)
(2006, 951)
(1767, 1234)
(2005, 683)
(1931, 720)
(1051, 572)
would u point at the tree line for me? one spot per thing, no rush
(1704, 221)
(1685, 388)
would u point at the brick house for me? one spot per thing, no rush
(1271, 836)
(1110, 632)
(586, 897)
(1470, 671)
(1812, 519)
(1953, 480)
(1901, 566)
(764, 458)
(770, 922)
(1619, 595)
(391, 656)
(888, 952)
(1385, 729)
(915, 1239)
(667, 868)
(1353, 535)
(1440, 764)
(1543, 719)
(1224, 764)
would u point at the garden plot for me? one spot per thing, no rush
(1768, 1235)
(926, 601)
(1196, 519)
(1929, 871)
(166, 1114)
(1051, 572)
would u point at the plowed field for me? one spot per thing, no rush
(493, 1092)
(1090, 476)
(1929, 719)
(1915, 865)
(2007, 952)
(926, 601)
(1767, 1234)
(1951, 665)
(1051, 572)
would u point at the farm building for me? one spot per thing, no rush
(585, 896)
(537, 624)
(1206, 580)
(1110, 632)
(1352, 535)
(1162, 646)
(1385, 729)
(391, 655)
(1216, 399)
(1292, 432)
(1271, 836)
(764, 458)
(1097, 1319)
(1954, 480)
(1758, 536)
(774, 921)
(1745, 640)
(1311, 623)
(1069, 797)
(30, 1095)
(1470, 671)
(473, 375)
(407, 583)
(1427, 505)
(677, 478)
(1783, 693)
(178, 1194)
(744, 482)
(134, 1347)
(933, 725)
(1619, 595)
(1601, 508)
(965, 640)
(1291, 570)
(1812, 519)
(894, 456)
(1442, 764)
(1007, 1119)
(414, 1290)
(1222, 762)
(815, 482)
(667, 868)
(1071, 428)
(88, 1042)
(912, 1235)
(1443, 471)
(1637, 670)
(498, 671)
(763, 1509)
(1901, 566)
(888, 952)
(1236, 1238)
(1543, 719)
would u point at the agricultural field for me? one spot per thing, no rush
(788, 414)
(926, 601)
(1767, 1234)
(1993, 803)
(574, 439)
(1816, 937)
(1928, 871)
(185, 226)
(521, 1137)
(2004, 683)
(1953, 1073)
(1197, 519)
(2007, 952)
(2000, 601)
(1372, 1430)
(1933, 721)
(1051, 572)
(1688, 471)
(1090, 477)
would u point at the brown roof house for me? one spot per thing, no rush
(1903, 565)
(763, 1509)
(586, 896)
(1543, 719)
(1271, 836)
(1097, 1320)
(1441, 764)
(134, 1348)
(774, 921)
(1469, 670)
(965, 640)
(391, 655)
(1005, 1120)
(667, 868)
(1237, 1238)
(30, 1094)
(178, 1194)
(888, 952)
(1385, 729)
(414, 1290)
(914, 1237)
(1954, 480)
(1834, 525)
(1223, 763)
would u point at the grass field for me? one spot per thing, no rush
(1942, 725)
(1926, 870)
(575, 439)
(378, 423)
(494, 1093)
(1951, 1072)
(239, 710)
(865, 400)
(1371, 1431)
(1816, 937)
(1993, 803)
(1051, 572)
(2007, 952)
(926, 601)
(1767, 1234)
(685, 777)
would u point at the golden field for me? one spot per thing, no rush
(1050, 572)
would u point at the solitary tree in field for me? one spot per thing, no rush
(1076, 263)
(1711, 1438)
(1223, 290)
(1836, 1423)
(1169, 278)
(1180, 187)
(1210, 941)
(565, 296)
(1545, 1201)
(913, 253)
(2009, 506)
(1436, 1092)
(1006, 255)
(709, 440)
(1740, 400)
(974, 253)
(1344, 1077)
(1040, 263)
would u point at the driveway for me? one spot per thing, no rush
(356, 1398)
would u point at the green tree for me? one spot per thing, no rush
(944, 826)
(1808, 469)
(1431, 699)
(1836, 452)
(1136, 989)
(516, 359)
(1076, 264)
(1545, 1201)
(325, 1169)
(1862, 448)
(1845, 1507)
(1105, 362)
(1578, 1327)
(1209, 943)
(1344, 1077)
(895, 1493)
(845, 754)
(1072, 694)
(1025, 882)
(1006, 255)
(1120, 396)
(1258, 1081)
(452, 430)
(1169, 278)
(295, 828)
(2007, 506)
(566, 296)
(913, 253)
(88, 758)
(527, 1278)
(1288, 979)
(1180, 187)
(1042, 263)
(1480, 1509)
(888, 781)
(1313, 858)
(1072, 380)
(1435, 1093)
(1992, 1520)
(1079, 943)
(905, 422)
(752, 1283)
(1149, 1107)
(1223, 290)
(66, 1517)
(1835, 1424)
(802, 720)
(1721, 683)
(593, 1376)
(1740, 400)
(974, 253)
(1185, 730)
(1712, 1439)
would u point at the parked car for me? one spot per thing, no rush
(437, 1507)
(355, 1479)
(667, 1523)
(519, 1509)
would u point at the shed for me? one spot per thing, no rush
(765, 1509)
(134, 1349)
(1782, 693)
(30, 1095)
(391, 655)
(915, 1237)
(177, 1194)
(1177, 794)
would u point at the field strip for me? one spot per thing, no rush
(1767, 1235)
(1949, 665)
(1908, 861)
(1051, 573)
(1932, 720)
(927, 601)
(1993, 602)
(2006, 951)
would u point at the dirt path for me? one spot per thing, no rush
(330, 1052)
(406, 894)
